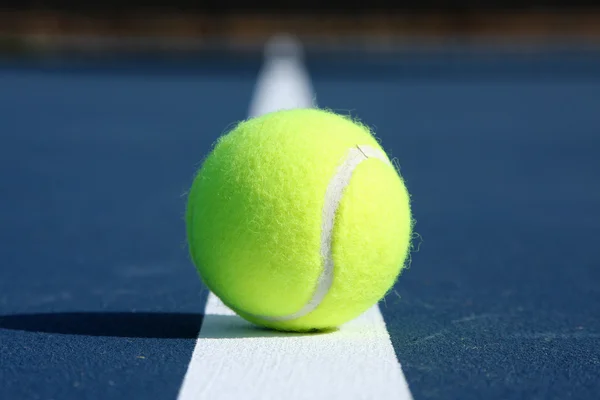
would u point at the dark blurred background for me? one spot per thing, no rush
(183, 25)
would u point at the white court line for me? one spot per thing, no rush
(283, 82)
(235, 360)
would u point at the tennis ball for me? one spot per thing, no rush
(298, 221)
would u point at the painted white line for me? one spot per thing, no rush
(283, 82)
(235, 360)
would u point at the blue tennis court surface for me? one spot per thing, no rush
(98, 298)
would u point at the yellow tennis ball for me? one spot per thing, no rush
(298, 220)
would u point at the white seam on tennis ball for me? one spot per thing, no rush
(333, 197)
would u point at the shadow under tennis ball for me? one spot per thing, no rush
(156, 325)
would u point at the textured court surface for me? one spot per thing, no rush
(98, 298)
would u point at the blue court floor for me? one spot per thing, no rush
(501, 153)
